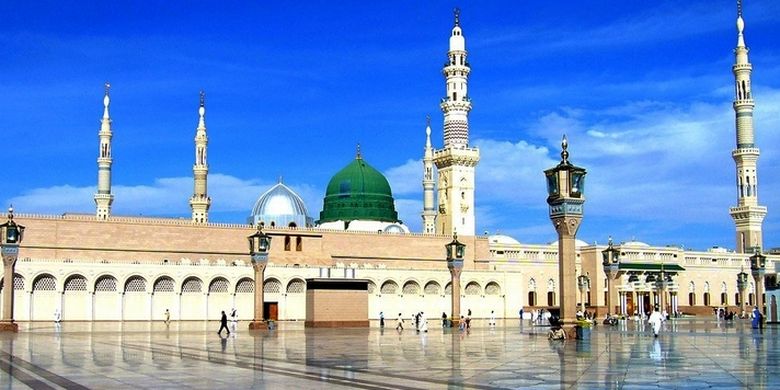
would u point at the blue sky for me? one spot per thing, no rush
(643, 91)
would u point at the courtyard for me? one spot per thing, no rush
(690, 353)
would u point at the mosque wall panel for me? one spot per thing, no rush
(107, 306)
(136, 306)
(162, 301)
(217, 302)
(77, 306)
(43, 305)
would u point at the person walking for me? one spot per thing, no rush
(655, 320)
(443, 319)
(492, 321)
(233, 319)
(57, 316)
(167, 316)
(223, 324)
(521, 315)
(423, 323)
(399, 325)
(756, 323)
(381, 319)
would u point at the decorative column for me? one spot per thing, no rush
(742, 283)
(662, 283)
(611, 263)
(10, 237)
(455, 254)
(565, 197)
(758, 270)
(259, 246)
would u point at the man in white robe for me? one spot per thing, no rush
(656, 320)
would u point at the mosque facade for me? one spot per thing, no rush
(107, 267)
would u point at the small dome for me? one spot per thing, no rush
(280, 206)
(358, 192)
(502, 239)
(635, 244)
(394, 228)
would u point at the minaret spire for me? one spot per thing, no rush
(200, 201)
(103, 197)
(748, 215)
(456, 160)
(429, 206)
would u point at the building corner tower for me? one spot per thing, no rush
(429, 206)
(103, 197)
(200, 201)
(747, 214)
(456, 160)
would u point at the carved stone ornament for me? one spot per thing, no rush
(566, 226)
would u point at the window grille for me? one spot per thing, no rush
(45, 283)
(492, 289)
(18, 282)
(272, 286)
(76, 283)
(192, 285)
(218, 285)
(296, 286)
(411, 288)
(371, 287)
(473, 289)
(389, 288)
(245, 286)
(164, 284)
(106, 283)
(448, 289)
(432, 288)
(135, 284)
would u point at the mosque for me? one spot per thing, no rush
(107, 267)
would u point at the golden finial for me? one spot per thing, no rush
(739, 8)
(358, 156)
(457, 16)
(428, 120)
(107, 85)
(202, 98)
(564, 152)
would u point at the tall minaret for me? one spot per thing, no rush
(103, 197)
(200, 201)
(456, 160)
(748, 215)
(429, 207)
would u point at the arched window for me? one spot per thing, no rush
(432, 288)
(18, 282)
(706, 299)
(532, 298)
(551, 298)
(371, 287)
(297, 286)
(492, 288)
(724, 299)
(44, 282)
(389, 287)
(192, 285)
(448, 289)
(245, 286)
(691, 299)
(473, 288)
(76, 283)
(106, 283)
(135, 284)
(411, 288)
(163, 284)
(272, 286)
(218, 285)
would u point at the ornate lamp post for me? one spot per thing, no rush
(566, 198)
(758, 270)
(11, 236)
(661, 284)
(583, 282)
(456, 252)
(259, 245)
(742, 283)
(611, 262)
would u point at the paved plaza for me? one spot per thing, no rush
(688, 354)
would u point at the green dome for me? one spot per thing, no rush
(358, 192)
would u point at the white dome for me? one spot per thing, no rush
(635, 243)
(502, 239)
(577, 243)
(280, 206)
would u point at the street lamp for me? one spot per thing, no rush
(758, 270)
(661, 284)
(11, 235)
(456, 252)
(565, 196)
(742, 283)
(583, 282)
(611, 262)
(259, 246)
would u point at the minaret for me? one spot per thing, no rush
(456, 160)
(103, 197)
(748, 215)
(429, 207)
(200, 201)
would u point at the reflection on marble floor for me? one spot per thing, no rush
(688, 354)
